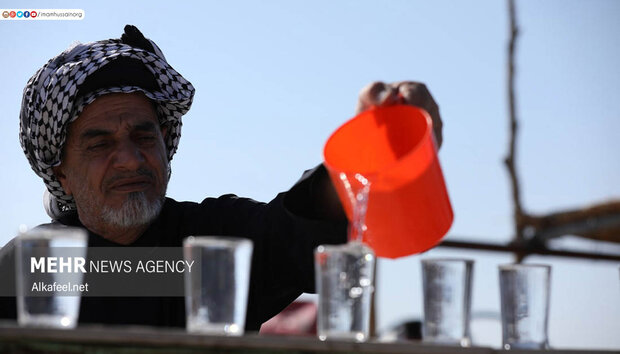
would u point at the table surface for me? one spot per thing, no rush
(106, 339)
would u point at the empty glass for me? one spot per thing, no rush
(49, 276)
(216, 289)
(344, 280)
(447, 301)
(524, 290)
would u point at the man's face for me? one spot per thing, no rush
(114, 162)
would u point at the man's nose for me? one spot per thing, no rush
(128, 156)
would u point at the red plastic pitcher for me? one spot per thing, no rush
(394, 148)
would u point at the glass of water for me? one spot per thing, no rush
(344, 280)
(524, 290)
(447, 301)
(49, 270)
(216, 288)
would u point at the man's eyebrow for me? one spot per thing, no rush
(93, 133)
(145, 126)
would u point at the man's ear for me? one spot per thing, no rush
(62, 178)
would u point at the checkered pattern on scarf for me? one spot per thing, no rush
(49, 103)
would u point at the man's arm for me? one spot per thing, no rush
(314, 197)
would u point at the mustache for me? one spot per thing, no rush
(141, 172)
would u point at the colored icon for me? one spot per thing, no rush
(26, 14)
(20, 14)
(33, 14)
(12, 14)
(5, 14)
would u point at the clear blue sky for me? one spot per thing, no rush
(275, 78)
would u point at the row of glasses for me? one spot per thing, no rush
(216, 290)
(524, 295)
(344, 308)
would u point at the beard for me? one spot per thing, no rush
(137, 210)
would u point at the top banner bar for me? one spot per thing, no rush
(41, 14)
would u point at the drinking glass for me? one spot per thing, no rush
(447, 301)
(524, 290)
(216, 289)
(344, 279)
(49, 277)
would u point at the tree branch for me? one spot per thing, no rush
(510, 160)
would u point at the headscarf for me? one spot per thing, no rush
(59, 91)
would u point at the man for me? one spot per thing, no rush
(100, 124)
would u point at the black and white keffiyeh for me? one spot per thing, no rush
(59, 91)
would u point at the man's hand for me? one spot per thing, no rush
(404, 92)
